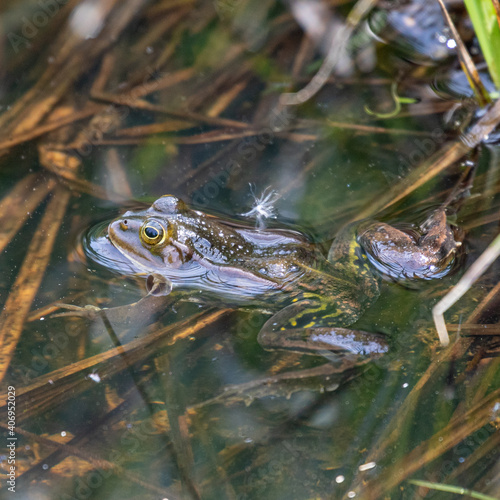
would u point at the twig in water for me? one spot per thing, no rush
(472, 274)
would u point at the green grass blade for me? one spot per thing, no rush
(483, 17)
(451, 489)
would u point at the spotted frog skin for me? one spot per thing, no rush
(313, 296)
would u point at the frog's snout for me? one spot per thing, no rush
(117, 228)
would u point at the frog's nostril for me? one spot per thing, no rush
(124, 225)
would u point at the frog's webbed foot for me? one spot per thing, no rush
(88, 311)
(158, 285)
(402, 255)
(321, 340)
(142, 312)
(439, 237)
(324, 378)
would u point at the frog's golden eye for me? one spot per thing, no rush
(153, 233)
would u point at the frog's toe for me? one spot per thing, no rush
(158, 285)
(88, 311)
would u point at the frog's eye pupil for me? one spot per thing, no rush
(151, 232)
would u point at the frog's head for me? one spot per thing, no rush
(148, 238)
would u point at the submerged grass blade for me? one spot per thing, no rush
(49, 126)
(40, 394)
(451, 489)
(465, 283)
(97, 462)
(76, 55)
(457, 430)
(19, 203)
(30, 276)
(450, 153)
(483, 16)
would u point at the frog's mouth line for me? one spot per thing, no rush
(128, 251)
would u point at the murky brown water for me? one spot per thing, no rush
(109, 105)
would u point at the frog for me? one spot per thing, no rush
(311, 296)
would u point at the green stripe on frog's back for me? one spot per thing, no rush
(312, 309)
(333, 295)
(349, 258)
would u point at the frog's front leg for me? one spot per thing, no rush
(138, 314)
(310, 325)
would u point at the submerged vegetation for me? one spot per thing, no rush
(308, 115)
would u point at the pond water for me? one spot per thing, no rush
(108, 106)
